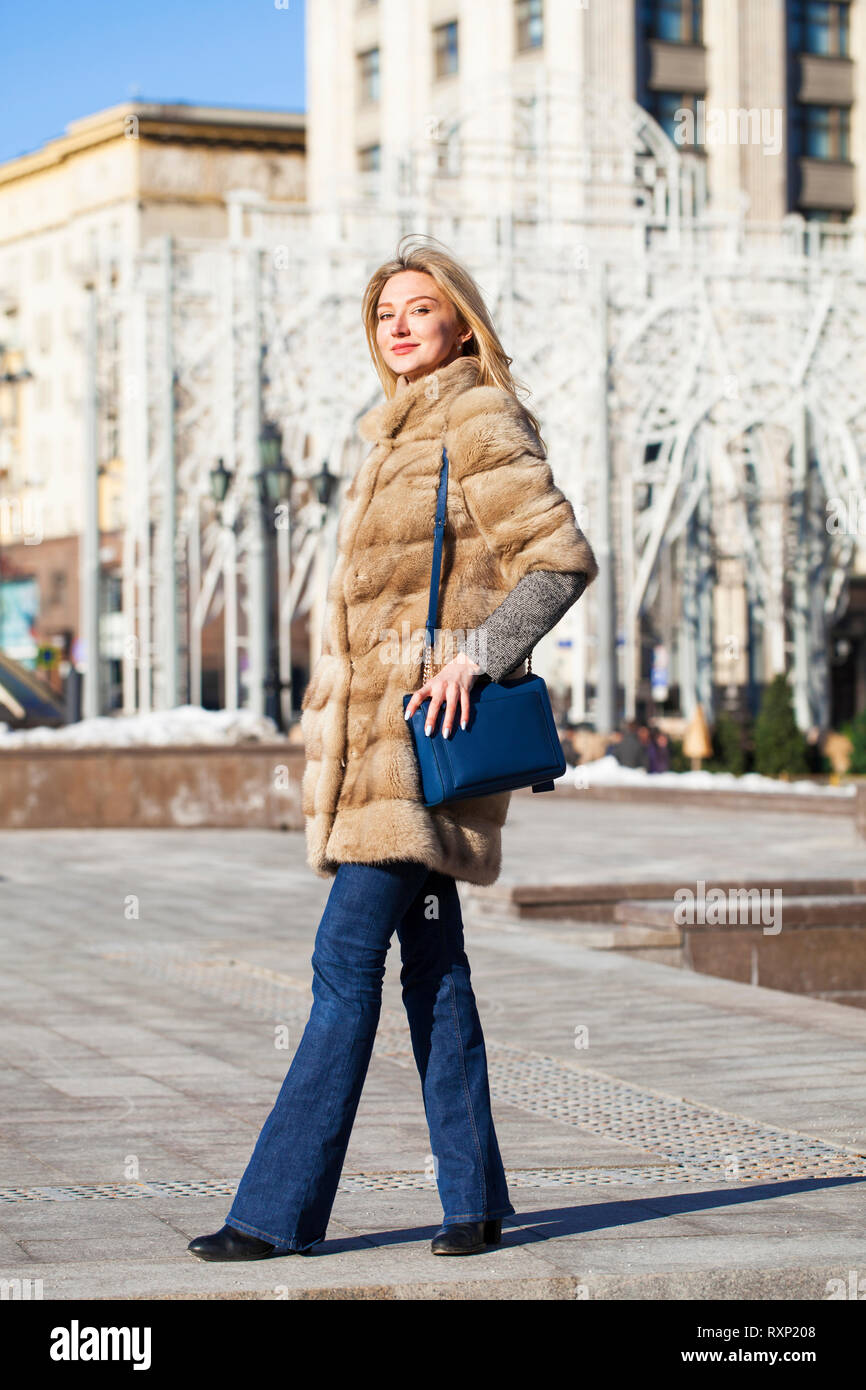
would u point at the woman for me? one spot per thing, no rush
(513, 560)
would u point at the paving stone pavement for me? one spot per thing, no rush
(707, 1139)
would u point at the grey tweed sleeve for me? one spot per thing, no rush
(532, 608)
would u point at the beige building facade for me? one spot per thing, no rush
(77, 211)
(73, 213)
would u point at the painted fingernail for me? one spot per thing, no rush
(406, 714)
(446, 733)
(427, 728)
(463, 723)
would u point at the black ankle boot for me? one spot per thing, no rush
(466, 1237)
(231, 1244)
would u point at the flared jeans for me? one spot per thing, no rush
(288, 1188)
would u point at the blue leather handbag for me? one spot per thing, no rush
(510, 739)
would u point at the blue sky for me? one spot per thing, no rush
(59, 61)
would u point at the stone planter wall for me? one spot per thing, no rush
(255, 785)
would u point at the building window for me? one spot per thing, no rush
(833, 216)
(818, 26)
(674, 21)
(57, 589)
(445, 49)
(370, 159)
(667, 109)
(368, 75)
(530, 24)
(42, 263)
(448, 156)
(820, 132)
(43, 333)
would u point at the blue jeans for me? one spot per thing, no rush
(287, 1191)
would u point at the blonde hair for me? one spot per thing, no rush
(420, 252)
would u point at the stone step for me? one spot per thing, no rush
(797, 910)
(817, 803)
(599, 902)
(600, 936)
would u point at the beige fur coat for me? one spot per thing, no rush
(361, 792)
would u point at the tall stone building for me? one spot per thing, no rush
(382, 71)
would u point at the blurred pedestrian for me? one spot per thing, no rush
(633, 747)
(612, 747)
(659, 751)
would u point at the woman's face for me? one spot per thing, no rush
(417, 327)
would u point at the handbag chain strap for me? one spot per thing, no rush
(436, 567)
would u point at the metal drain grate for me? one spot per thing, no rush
(699, 1143)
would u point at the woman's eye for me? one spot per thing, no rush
(419, 309)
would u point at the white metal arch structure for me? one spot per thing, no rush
(241, 329)
(686, 370)
(546, 146)
(739, 409)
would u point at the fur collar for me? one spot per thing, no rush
(410, 404)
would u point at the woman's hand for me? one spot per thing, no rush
(457, 678)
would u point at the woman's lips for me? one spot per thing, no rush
(404, 347)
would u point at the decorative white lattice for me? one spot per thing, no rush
(696, 379)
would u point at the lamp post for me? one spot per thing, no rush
(8, 378)
(324, 485)
(275, 489)
(220, 482)
(88, 561)
(274, 483)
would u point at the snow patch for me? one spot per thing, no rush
(185, 725)
(607, 772)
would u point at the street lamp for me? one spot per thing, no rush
(274, 478)
(275, 488)
(220, 480)
(324, 484)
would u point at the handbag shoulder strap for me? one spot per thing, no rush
(436, 567)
